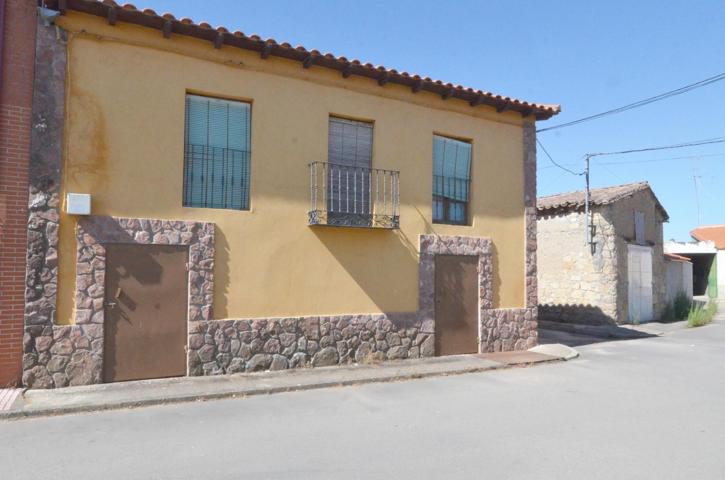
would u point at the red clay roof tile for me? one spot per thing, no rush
(713, 233)
(676, 258)
(185, 26)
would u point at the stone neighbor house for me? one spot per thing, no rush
(205, 202)
(620, 277)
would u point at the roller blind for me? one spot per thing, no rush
(451, 179)
(350, 142)
(350, 153)
(217, 153)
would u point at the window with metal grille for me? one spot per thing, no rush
(451, 180)
(216, 153)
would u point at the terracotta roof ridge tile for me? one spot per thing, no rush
(712, 233)
(639, 184)
(676, 257)
(149, 18)
(597, 197)
(709, 226)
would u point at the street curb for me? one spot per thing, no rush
(559, 350)
(73, 409)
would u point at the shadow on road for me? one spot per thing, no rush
(575, 336)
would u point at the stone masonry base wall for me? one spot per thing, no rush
(231, 346)
(58, 356)
(508, 329)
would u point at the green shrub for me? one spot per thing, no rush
(700, 315)
(678, 309)
(669, 314)
(681, 306)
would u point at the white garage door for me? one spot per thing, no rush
(640, 283)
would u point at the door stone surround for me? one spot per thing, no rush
(500, 329)
(94, 231)
(61, 355)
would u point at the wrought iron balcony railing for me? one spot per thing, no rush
(346, 196)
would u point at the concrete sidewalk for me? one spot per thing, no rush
(189, 389)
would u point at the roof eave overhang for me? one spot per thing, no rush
(169, 25)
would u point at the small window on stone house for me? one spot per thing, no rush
(639, 227)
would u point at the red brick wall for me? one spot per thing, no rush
(18, 56)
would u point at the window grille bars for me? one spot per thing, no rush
(216, 177)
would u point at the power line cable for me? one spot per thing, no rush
(652, 160)
(649, 160)
(554, 162)
(695, 143)
(640, 103)
(589, 156)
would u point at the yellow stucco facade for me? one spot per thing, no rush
(124, 145)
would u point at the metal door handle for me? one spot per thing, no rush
(111, 304)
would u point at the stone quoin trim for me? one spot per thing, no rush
(46, 142)
(529, 132)
(46, 139)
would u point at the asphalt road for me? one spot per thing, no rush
(642, 409)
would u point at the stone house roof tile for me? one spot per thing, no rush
(574, 201)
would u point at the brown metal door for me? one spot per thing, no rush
(456, 304)
(146, 312)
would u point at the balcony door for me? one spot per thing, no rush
(350, 153)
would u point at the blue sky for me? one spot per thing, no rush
(586, 56)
